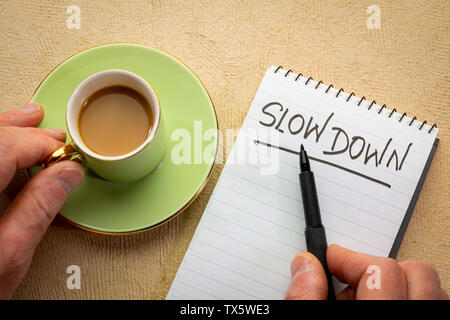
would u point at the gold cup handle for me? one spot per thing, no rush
(67, 152)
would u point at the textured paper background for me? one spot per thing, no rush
(229, 45)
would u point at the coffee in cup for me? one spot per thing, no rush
(114, 119)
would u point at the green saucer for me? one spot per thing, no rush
(107, 207)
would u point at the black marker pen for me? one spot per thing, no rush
(316, 241)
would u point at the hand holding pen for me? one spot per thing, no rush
(311, 271)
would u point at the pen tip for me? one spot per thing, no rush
(304, 161)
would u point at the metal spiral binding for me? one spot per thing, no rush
(384, 106)
(360, 101)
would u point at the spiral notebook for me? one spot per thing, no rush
(370, 164)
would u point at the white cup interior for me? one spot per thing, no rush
(99, 81)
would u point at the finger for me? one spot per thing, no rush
(347, 294)
(422, 280)
(55, 133)
(26, 220)
(29, 115)
(20, 150)
(348, 266)
(309, 281)
(40, 200)
(372, 277)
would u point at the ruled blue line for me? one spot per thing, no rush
(346, 236)
(326, 212)
(256, 216)
(221, 185)
(364, 194)
(296, 183)
(251, 230)
(244, 243)
(259, 185)
(378, 168)
(285, 162)
(198, 289)
(360, 225)
(353, 206)
(334, 182)
(326, 195)
(240, 258)
(239, 274)
(276, 191)
(257, 151)
(222, 283)
(260, 201)
(339, 184)
(408, 196)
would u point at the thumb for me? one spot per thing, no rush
(25, 222)
(309, 281)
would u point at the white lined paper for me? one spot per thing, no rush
(253, 224)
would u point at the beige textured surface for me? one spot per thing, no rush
(229, 44)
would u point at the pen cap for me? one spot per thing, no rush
(310, 201)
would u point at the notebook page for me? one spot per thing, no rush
(366, 162)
